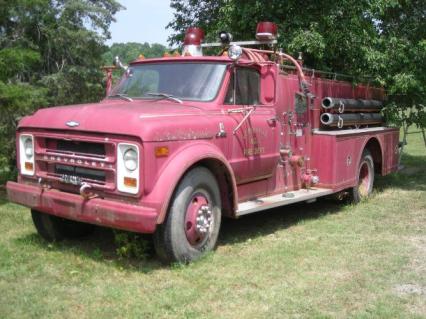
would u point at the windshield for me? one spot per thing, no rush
(185, 81)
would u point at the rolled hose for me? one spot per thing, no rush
(340, 120)
(357, 105)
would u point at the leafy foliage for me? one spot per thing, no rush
(131, 245)
(402, 68)
(131, 50)
(127, 52)
(327, 31)
(50, 53)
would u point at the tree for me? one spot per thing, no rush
(326, 31)
(131, 50)
(399, 60)
(50, 53)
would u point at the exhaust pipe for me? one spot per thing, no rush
(351, 105)
(340, 120)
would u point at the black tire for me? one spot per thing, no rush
(53, 228)
(365, 178)
(176, 239)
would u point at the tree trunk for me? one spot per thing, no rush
(404, 139)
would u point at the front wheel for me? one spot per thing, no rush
(193, 220)
(365, 179)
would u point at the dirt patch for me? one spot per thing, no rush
(416, 289)
(409, 289)
(418, 259)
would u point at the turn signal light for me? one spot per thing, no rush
(130, 182)
(29, 166)
(161, 151)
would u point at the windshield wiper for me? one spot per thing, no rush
(165, 96)
(122, 96)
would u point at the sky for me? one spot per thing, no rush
(142, 21)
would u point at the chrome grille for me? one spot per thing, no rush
(82, 172)
(78, 147)
(63, 158)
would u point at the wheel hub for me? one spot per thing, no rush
(204, 219)
(198, 220)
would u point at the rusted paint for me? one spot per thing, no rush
(182, 135)
(96, 211)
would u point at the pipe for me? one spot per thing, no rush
(254, 56)
(304, 83)
(340, 120)
(351, 105)
(249, 54)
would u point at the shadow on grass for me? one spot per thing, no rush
(267, 222)
(411, 177)
(101, 247)
(3, 197)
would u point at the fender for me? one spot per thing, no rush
(368, 140)
(177, 165)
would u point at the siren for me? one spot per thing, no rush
(266, 31)
(225, 38)
(192, 42)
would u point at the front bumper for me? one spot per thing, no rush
(94, 211)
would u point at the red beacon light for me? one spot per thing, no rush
(192, 42)
(266, 31)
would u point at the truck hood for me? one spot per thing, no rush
(149, 120)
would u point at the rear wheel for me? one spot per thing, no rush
(193, 220)
(53, 228)
(365, 179)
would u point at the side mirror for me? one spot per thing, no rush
(117, 62)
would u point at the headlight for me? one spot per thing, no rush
(235, 52)
(28, 147)
(130, 159)
(26, 154)
(128, 170)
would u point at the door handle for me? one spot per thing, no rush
(251, 110)
(272, 121)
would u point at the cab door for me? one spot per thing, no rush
(254, 147)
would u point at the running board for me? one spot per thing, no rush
(269, 202)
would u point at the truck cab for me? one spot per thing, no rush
(181, 142)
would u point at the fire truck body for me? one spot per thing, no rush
(173, 168)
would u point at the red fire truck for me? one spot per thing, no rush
(182, 141)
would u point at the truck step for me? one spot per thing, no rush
(268, 202)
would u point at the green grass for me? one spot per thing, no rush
(323, 260)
